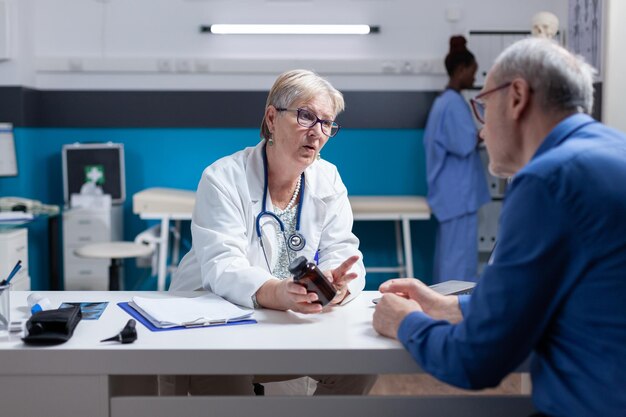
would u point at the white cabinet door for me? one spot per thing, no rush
(82, 227)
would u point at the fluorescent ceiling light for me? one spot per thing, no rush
(258, 29)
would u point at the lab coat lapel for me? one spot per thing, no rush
(256, 186)
(313, 216)
(254, 173)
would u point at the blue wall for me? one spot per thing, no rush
(371, 162)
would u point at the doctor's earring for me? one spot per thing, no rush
(318, 156)
(270, 141)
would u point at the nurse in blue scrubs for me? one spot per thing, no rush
(456, 180)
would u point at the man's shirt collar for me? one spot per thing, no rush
(563, 130)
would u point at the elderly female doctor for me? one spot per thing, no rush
(259, 208)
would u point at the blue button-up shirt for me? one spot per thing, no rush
(556, 284)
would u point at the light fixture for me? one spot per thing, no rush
(285, 29)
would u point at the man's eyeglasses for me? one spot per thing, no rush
(478, 105)
(308, 119)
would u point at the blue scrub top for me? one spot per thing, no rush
(456, 178)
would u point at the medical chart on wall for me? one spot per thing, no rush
(585, 31)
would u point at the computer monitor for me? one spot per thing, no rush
(99, 162)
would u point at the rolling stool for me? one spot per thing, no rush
(116, 252)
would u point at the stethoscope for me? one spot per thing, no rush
(296, 240)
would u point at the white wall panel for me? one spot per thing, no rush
(614, 104)
(16, 67)
(168, 30)
(68, 27)
(5, 46)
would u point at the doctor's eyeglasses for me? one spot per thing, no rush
(308, 119)
(478, 105)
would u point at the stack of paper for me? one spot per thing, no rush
(15, 217)
(175, 311)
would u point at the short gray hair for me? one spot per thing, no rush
(299, 86)
(562, 80)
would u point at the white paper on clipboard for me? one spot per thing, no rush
(204, 310)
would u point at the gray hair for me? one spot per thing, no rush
(563, 81)
(299, 86)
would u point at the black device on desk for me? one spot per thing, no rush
(127, 335)
(52, 327)
(452, 287)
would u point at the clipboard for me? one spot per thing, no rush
(141, 319)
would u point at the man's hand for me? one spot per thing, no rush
(440, 307)
(390, 311)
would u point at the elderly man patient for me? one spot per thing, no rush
(262, 207)
(555, 286)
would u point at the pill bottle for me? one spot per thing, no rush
(309, 276)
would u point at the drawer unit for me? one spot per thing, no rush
(82, 227)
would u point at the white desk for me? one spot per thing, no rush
(401, 209)
(73, 378)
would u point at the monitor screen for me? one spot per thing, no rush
(102, 164)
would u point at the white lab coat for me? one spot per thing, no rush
(226, 256)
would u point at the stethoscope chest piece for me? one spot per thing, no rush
(296, 242)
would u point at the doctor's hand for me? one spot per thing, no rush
(287, 295)
(440, 307)
(340, 277)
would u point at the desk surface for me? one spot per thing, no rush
(339, 341)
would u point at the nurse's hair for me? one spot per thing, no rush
(459, 55)
(296, 87)
(561, 80)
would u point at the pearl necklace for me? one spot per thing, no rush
(294, 196)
